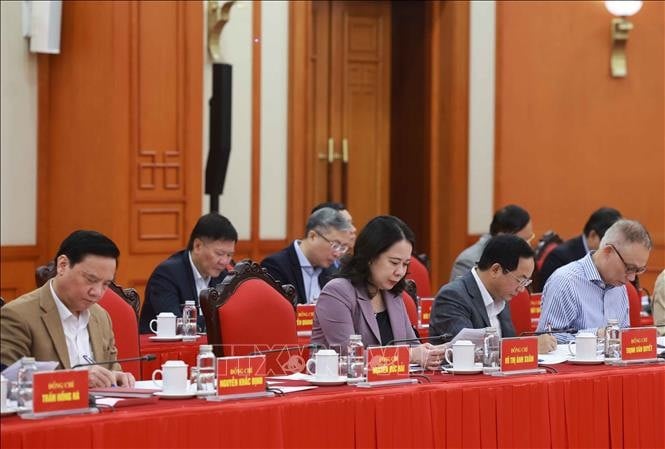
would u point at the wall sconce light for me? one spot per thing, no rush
(621, 26)
(218, 15)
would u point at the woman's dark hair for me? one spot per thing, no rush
(509, 220)
(82, 243)
(377, 236)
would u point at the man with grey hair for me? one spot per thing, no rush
(586, 293)
(305, 263)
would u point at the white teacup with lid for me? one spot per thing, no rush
(463, 352)
(165, 323)
(174, 377)
(324, 366)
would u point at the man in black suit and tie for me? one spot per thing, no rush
(306, 264)
(580, 246)
(186, 273)
(479, 298)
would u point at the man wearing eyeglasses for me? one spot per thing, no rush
(586, 293)
(478, 299)
(305, 263)
(185, 274)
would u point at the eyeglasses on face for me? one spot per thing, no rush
(335, 246)
(522, 282)
(630, 269)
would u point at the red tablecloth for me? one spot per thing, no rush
(168, 350)
(594, 406)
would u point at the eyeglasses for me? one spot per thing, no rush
(335, 246)
(522, 282)
(630, 269)
(530, 239)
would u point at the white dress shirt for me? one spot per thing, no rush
(310, 275)
(493, 308)
(76, 331)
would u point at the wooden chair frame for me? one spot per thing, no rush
(212, 299)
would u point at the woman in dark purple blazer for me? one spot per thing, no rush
(366, 297)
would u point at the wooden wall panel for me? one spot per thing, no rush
(570, 138)
(120, 119)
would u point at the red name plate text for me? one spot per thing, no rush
(305, 317)
(59, 390)
(236, 375)
(387, 363)
(638, 343)
(520, 353)
(425, 310)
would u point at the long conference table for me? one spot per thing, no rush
(578, 406)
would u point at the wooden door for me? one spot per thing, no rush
(350, 104)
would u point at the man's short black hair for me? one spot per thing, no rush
(601, 220)
(213, 226)
(509, 220)
(81, 243)
(330, 204)
(506, 250)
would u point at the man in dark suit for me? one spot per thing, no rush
(306, 263)
(479, 298)
(580, 246)
(186, 273)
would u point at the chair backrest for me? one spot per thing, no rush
(634, 305)
(520, 312)
(250, 311)
(411, 305)
(420, 274)
(125, 329)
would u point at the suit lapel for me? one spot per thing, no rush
(51, 319)
(189, 273)
(368, 314)
(96, 340)
(476, 298)
(392, 306)
(297, 274)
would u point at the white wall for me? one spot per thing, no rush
(236, 49)
(482, 56)
(18, 131)
(274, 118)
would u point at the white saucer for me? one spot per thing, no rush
(477, 368)
(8, 411)
(596, 361)
(171, 338)
(341, 380)
(184, 395)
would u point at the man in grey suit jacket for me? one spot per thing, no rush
(479, 298)
(511, 219)
(61, 321)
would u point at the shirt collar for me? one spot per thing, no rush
(197, 275)
(591, 271)
(487, 298)
(63, 311)
(302, 259)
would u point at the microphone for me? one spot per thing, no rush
(287, 348)
(443, 338)
(568, 330)
(143, 358)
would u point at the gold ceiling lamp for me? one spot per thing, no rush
(621, 26)
(218, 15)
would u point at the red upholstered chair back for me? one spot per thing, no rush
(248, 312)
(634, 305)
(125, 329)
(419, 273)
(520, 312)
